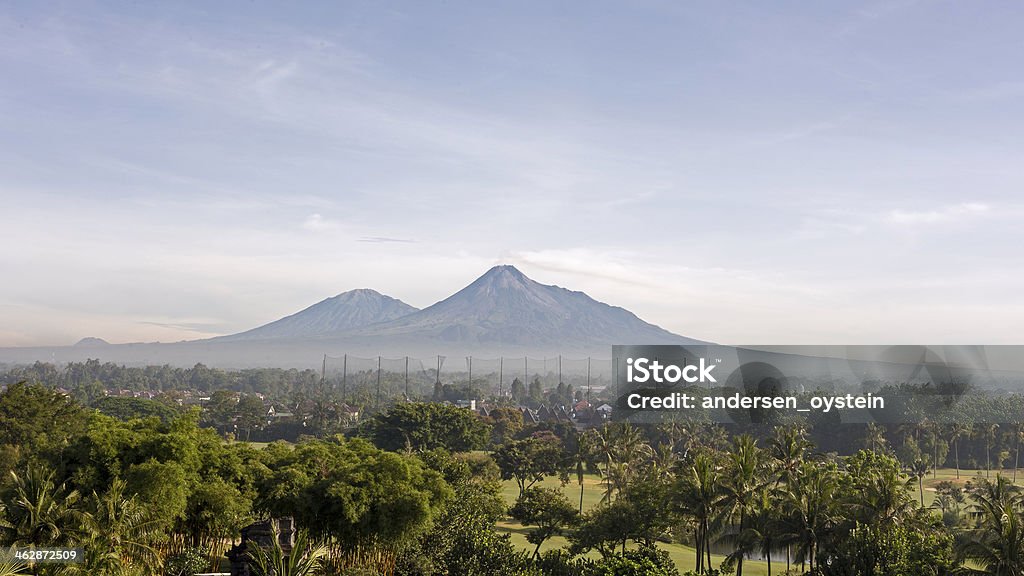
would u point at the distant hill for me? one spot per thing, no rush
(341, 313)
(504, 308)
(91, 342)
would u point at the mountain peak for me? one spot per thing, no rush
(348, 310)
(504, 276)
(361, 293)
(504, 307)
(504, 269)
(91, 342)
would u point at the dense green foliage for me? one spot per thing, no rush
(149, 487)
(352, 492)
(426, 426)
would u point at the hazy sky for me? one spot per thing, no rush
(744, 172)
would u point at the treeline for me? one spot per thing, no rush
(88, 380)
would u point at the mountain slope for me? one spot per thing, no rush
(505, 308)
(341, 313)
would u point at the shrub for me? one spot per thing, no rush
(186, 563)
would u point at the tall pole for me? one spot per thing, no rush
(471, 375)
(344, 378)
(559, 368)
(588, 379)
(323, 376)
(438, 368)
(407, 378)
(501, 373)
(378, 382)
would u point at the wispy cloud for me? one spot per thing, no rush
(947, 214)
(384, 240)
(317, 223)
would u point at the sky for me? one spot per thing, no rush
(742, 172)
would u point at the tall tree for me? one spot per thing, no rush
(698, 498)
(529, 460)
(958, 431)
(743, 483)
(546, 508)
(810, 501)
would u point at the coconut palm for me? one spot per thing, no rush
(810, 503)
(919, 469)
(934, 432)
(788, 447)
(1018, 432)
(621, 448)
(40, 513)
(875, 438)
(762, 532)
(11, 566)
(744, 480)
(958, 431)
(663, 462)
(698, 497)
(602, 444)
(987, 434)
(884, 498)
(119, 534)
(579, 457)
(6, 528)
(997, 543)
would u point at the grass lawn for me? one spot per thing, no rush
(949, 474)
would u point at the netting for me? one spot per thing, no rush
(369, 380)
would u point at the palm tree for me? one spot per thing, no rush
(884, 498)
(40, 513)
(744, 481)
(919, 469)
(663, 461)
(761, 533)
(1018, 431)
(621, 449)
(11, 566)
(119, 534)
(810, 501)
(997, 544)
(674, 433)
(875, 438)
(698, 498)
(303, 560)
(603, 446)
(578, 459)
(987, 433)
(631, 449)
(6, 528)
(959, 430)
(788, 447)
(934, 431)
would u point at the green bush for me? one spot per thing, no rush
(186, 563)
